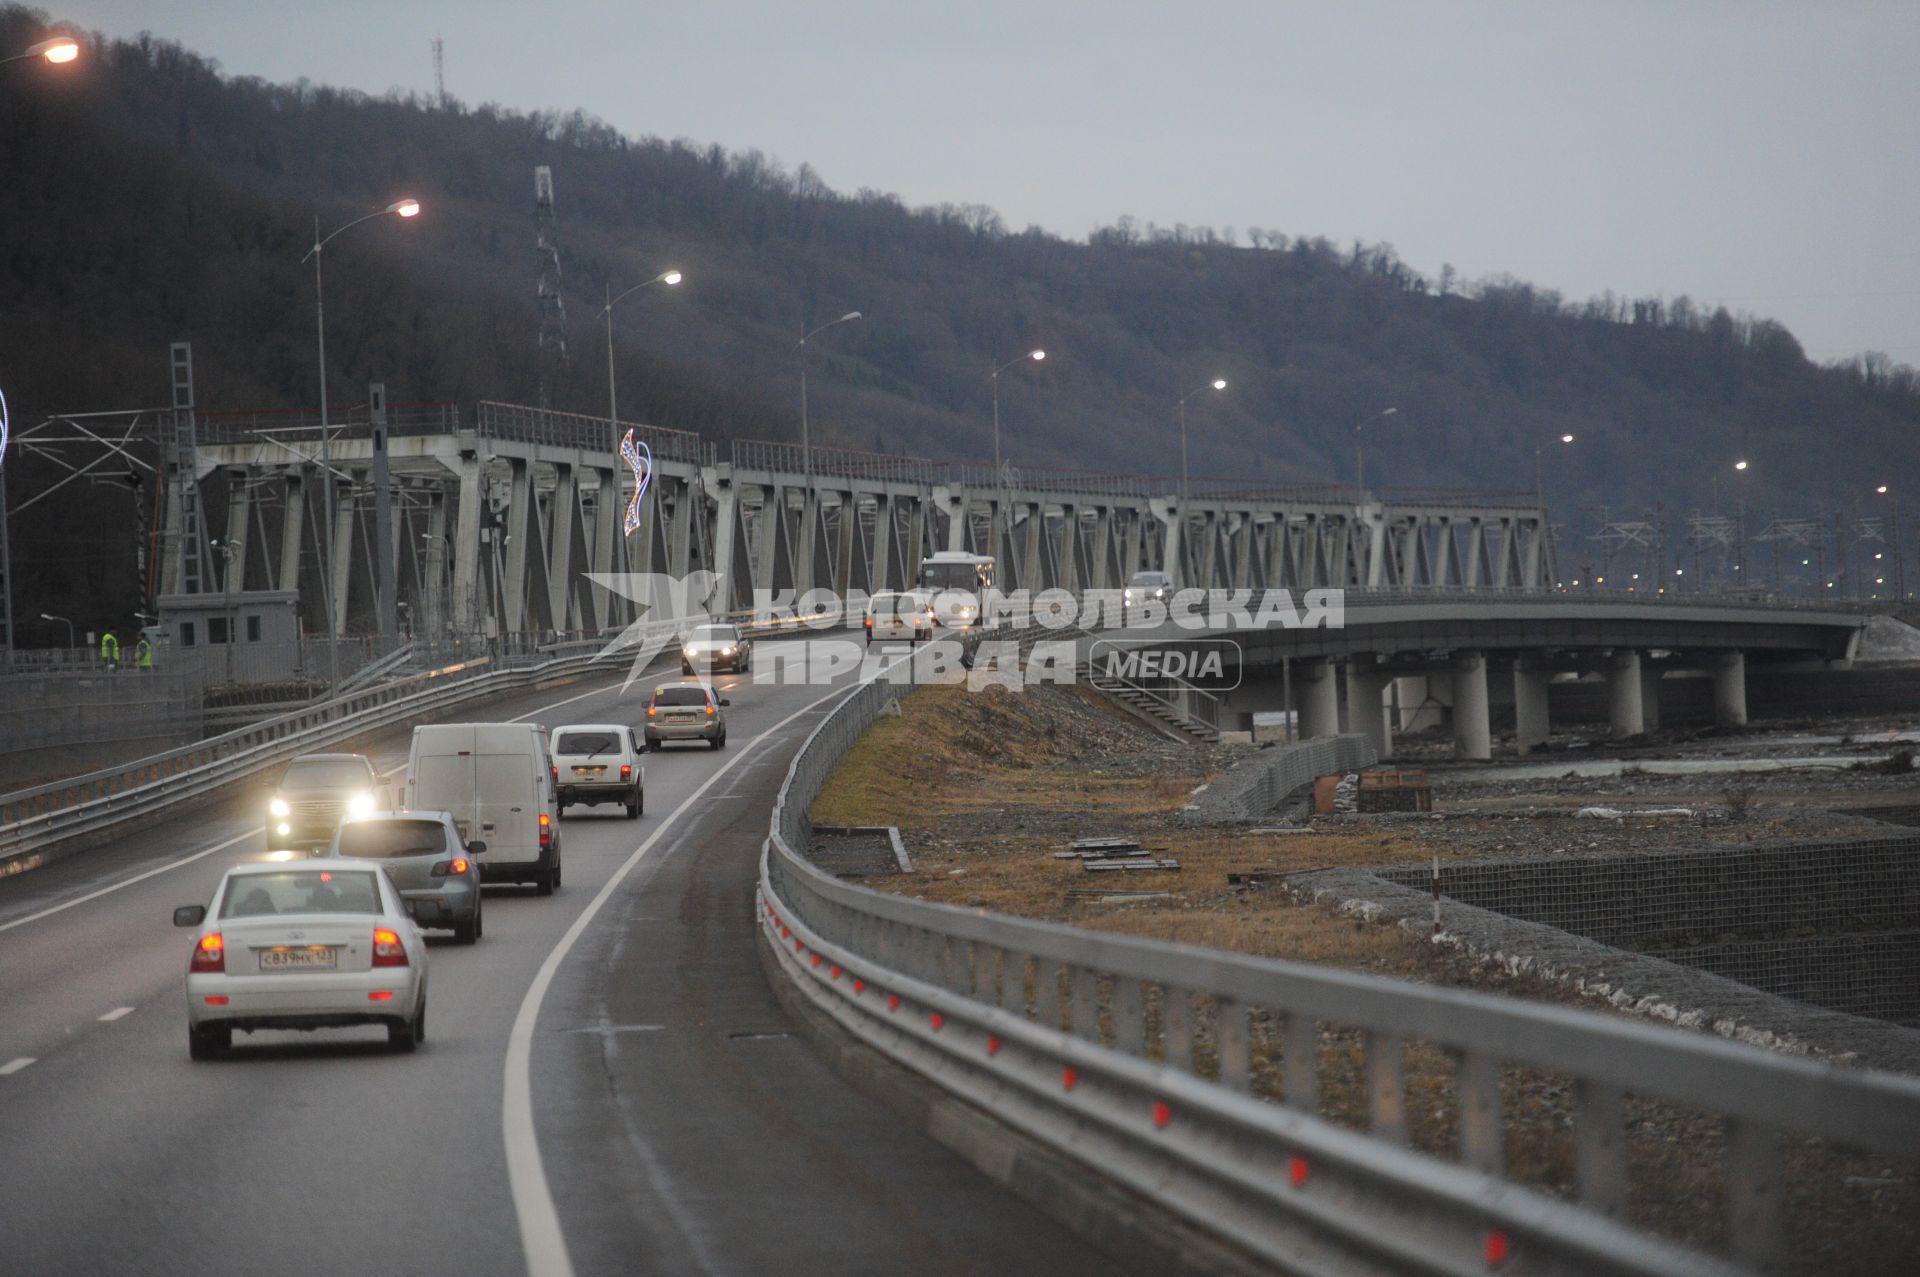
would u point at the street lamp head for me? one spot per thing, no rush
(1882, 489)
(57, 50)
(1739, 465)
(1566, 438)
(852, 314)
(1038, 355)
(406, 208)
(46, 616)
(1219, 383)
(1389, 412)
(671, 278)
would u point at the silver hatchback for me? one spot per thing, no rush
(686, 711)
(422, 855)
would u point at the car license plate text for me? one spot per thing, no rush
(313, 957)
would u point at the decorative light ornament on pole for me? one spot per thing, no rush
(336, 616)
(640, 458)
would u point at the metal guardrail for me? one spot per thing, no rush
(791, 458)
(1254, 786)
(299, 423)
(1094, 1044)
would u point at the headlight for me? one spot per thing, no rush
(688, 649)
(279, 807)
(360, 805)
(726, 651)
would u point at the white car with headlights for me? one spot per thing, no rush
(311, 944)
(907, 615)
(316, 793)
(716, 646)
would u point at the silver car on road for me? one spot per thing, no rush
(314, 944)
(686, 711)
(422, 855)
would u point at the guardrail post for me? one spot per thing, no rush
(1600, 1147)
(1300, 1062)
(1129, 1016)
(1756, 1209)
(1046, 992)
(1233, 1043)
(1176, 1027)
(1085, 1003)
(1386, 1087)
(1481, 1144)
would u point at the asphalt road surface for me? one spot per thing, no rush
(608, 1085)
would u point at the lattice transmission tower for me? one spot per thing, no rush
(439, 73)
(553, 309)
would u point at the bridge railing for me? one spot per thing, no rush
(791, 458)
(576, 430)
(1152, 1062)
(301, 423)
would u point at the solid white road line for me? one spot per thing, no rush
(257, 829)
(115, 1014)
(540, 1236)
(128, 882)
(14, 1066)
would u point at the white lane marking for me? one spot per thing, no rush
(540, 1236)
(14, 1066)
(128, 882)
(115, 1014)
(610, 687)
(199, 855)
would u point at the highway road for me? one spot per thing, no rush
(608, 1085)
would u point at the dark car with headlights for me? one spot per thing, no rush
(315, 794)
(436, 875)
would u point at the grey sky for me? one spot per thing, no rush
(1758, 154)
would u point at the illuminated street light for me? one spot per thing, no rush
(1218, 383)
(404, 208)
(669, 278)
(1739, 465)
(59, 50)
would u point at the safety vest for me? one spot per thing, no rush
(143, 654)
(109, 647)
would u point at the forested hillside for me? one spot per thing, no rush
(145, 198)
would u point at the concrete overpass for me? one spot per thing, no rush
(1407, 659)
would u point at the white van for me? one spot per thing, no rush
(497, 781)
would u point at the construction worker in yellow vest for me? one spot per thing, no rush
(110, 650)
(143, 653)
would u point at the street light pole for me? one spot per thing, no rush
(999, 481)
(400, 208)
(64, 621)
(1359, 448)
(806, 438)
(1218, 383)
(669, 278)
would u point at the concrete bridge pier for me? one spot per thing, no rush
(1530, 725)
(1472, 732)
(1730, 689)
(1624, 702)
(1318, 695)
(1415, 705)
(1649, 699)
(1366, 702)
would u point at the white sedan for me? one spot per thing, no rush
(315, 945)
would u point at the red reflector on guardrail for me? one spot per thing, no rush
(893, 1002)
(816, 959)
(1069, 1078)
(1498, 1247)
(859, 985)
(836, 971)
(993, 1045)
(1162, 1114)
(1296, 1171)
(936, 1020)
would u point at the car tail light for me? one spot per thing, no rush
(210, 954)
(712, 710)
(387, 949)
(546, 831)
(869, 622)
(556, 771)
(626, 771)
(445, 867)
(651, 711)
(380, 995)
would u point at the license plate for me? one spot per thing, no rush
(313, 957)
(588, 771)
